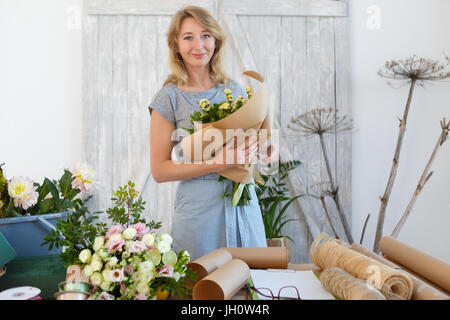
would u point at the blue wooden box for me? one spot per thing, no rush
(26, 234)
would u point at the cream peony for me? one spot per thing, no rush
(84, 178)
(163, 246)
(23, 192)
(165, 237)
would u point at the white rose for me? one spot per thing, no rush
(105, 285)
(96, 265)
(166, 238)
(146, 266)
(98, 243)
(163, 246)
(129, 233)
(96, 278)
(142, 288)
(128, 244)
(149, 239)
(114, 237)
(96, 257)
(85, 256)
(105, 275)
(88, 271)
(113, 261)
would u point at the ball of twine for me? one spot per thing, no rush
(328, 252)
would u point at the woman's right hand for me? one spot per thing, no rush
(233, 154)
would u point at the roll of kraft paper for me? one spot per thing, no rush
(423, 264)
(421, 290)
(329, 252)
(347, 287)
(209, 263)
(262, 258)
(223, 283)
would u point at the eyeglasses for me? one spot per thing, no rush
(285, 293)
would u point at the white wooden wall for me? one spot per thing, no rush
(299, 46)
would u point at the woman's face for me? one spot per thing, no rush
(195, 44)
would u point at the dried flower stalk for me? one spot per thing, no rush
(318, 122)
(426, 175)
(413, 70)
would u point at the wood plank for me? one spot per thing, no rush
(293, 89)
(105, 111)
(285, 7)
(343, 103)
(119, 101)
(90, 105)
(142, 7)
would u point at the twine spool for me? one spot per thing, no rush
(328, 252)
(345, 286)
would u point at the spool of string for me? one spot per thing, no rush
(328, 252)
(345, 286)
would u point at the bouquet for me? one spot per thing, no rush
(20, 196)
(129, 260)
(241, 117)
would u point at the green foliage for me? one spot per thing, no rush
(75, 233)
(274, 200)
(128, 207)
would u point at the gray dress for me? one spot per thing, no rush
(202, 220)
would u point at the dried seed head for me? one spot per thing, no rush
(321, 121)
(417, 69)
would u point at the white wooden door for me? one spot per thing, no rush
(299, 46)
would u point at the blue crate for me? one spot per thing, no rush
(26, 234)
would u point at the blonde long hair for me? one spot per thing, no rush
(179, 75)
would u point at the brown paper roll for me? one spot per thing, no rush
(223, 283)
(347, 287)
(433, 269)
(328, 252)
(421, 290)
(209, 262)
(262, 258)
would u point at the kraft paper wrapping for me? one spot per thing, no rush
(222, 283)
(253, 116)
(347, 287)
(421, 290)
(262, 258)
(430, 268)
(328, 252)
(209, 262)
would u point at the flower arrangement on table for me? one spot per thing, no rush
(223, 116)
(129, 260)
(20, 196)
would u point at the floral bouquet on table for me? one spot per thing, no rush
(129, 261)
(226, 120)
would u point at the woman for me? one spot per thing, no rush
(203, 220)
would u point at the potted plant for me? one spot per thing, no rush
(274, 200)
(29, 210)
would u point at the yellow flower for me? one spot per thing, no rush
(203, 103)
(249, 92)
(227, 91)
(225, 106)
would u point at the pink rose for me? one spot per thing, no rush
(140, 228)
(113, 230)
(140, 297)
(115, 245)
(137, 246)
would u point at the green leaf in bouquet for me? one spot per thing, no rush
(45, 205)
(54, 191)
(237, 194)
(65, 183)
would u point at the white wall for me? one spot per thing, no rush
(40, 107)
(407, 27)
(40, 87)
